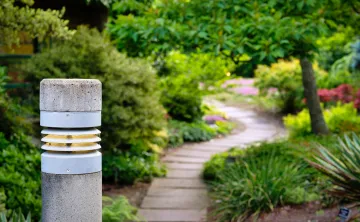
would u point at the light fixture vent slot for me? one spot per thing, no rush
(70, 139)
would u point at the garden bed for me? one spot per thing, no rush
(134, 193)
(312, 211)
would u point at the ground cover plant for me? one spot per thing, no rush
(118, 210)
(248, 182)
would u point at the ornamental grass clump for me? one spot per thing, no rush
(342, 166)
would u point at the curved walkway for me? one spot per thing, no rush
(181, 196)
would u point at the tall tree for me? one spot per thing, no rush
(17, 16)
(265, 30)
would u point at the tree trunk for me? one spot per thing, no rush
(318, 124)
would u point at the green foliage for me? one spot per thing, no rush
(214, 167)
(255, 182)
(285, 77)
(11, 113)
(200, 67)
(131, 108)
(191, 132)
(340, 118)
(334, 78)
(259, 29)
(186, 78)
(245, 182)
(17, 16)
(342, 167)
(20, 174)
(334, 47)
(181, 98)
(119, 210)
(16, 216)
(131, 166)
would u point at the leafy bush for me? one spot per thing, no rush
(131, 166)
(131, 108)
(119, 210)
(285, 76)
(258, 179)
(334, 47)
(282, 81)
(186, 78)
(20, 174)
(182, 98)
(11, 113)
(197, 66)
(245, 182)
(340, 118)
(192, 132)
(333, 79)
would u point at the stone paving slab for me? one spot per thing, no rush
(175, 192)
(209, 148)
(178, 183)
(194, 153)
(180, 202)
(180, 159)
(164, 215)
(172, 173)
(184, 166)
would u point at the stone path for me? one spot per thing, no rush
(182, 196)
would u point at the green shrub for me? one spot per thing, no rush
(285, 76)
(192, 132)
(12, 116)
(334, 47)
(182, 98)
(257, 179)
(282, 81)
(340, 118)
(131, 108)
(248, 188)
(131, 166)
(200, 67)
(182, 94)
(214, 167)
(20, 174)
(119, 210)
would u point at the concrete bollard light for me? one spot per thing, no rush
(70, 109)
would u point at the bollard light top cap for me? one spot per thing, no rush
(70, 95)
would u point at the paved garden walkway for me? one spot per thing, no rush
(182, 196)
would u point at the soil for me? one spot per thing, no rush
(134, 193)
(309, 212)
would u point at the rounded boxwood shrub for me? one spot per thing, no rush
(131, 108)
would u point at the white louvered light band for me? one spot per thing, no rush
(70, 139)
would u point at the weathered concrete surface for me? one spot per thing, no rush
(71, 198)
(178, 202)
(178, 183)
(175, 192)
(179, 159)
(165, 215)
(183, 173)
(187, 166)
(194, 153)
(70, 95)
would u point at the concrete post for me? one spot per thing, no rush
(70, 109)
